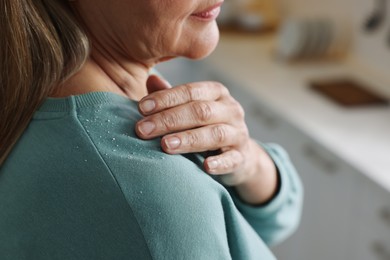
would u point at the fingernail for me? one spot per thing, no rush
(212, 164)
(146, 127)
(147, 105)
(172, 142)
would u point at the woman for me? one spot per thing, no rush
(83, 173)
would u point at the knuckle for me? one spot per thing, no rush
(190, 92)
(224, 91)
(245, 132)
(169, 99)
(238, 109)
(219, 134)
(169, 121)
(230, 163)
(225, 164)
(193, 92)
(203, 111)
(242, 134)
(192, 140)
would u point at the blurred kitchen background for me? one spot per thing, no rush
(314, 76)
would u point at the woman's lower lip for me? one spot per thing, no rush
(208, 15)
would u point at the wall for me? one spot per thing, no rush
(370, 49)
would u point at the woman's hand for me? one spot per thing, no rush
(203, 116)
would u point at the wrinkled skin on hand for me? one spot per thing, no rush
(203, 116)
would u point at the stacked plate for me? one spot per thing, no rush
(310, 38)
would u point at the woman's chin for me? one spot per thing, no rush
(203, 48)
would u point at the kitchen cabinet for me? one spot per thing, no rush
(372, 222)
(329, 185)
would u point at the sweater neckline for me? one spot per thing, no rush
(91, 99)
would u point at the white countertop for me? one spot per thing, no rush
(359, 136)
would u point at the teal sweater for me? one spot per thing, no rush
(79, 184)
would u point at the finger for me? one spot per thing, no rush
(182, 94)
(225, 163)
(202, 139)
(153, 84)
(156, 83)
(185, 117)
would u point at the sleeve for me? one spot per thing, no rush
(280, 217)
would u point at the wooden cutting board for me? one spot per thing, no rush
(348, 93)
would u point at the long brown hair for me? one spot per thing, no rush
(41, 45)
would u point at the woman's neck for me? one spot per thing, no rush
(108, 73)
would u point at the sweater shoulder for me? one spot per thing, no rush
(140, 167)
(170, 195)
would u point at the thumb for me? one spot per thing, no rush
(155, 83)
